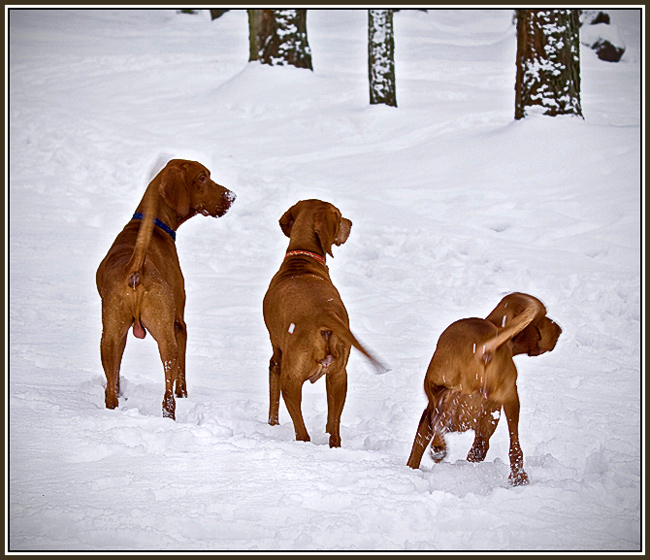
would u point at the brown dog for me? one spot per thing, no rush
(472, 376)
(306, 319)
(140, 280)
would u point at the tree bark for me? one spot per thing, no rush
(279, 37)
(548, 63)
(381, 57)
(215, 14)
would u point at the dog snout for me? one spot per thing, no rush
(221, 201)
(229, 197)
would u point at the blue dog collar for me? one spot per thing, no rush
(162, 225)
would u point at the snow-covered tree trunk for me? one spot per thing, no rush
(548, 62)
(279, 37)
(216, 14)
(381, 57)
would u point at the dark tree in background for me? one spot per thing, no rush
(381, 57)
(216, 14)
(548, 62)
(279, 37)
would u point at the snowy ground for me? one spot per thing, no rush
(454, 204)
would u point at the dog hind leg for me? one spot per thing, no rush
(336, 384)
(291, 388)
(113, 341)
(422, 438)
(112, 350)
(438, 449)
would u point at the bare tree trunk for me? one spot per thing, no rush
(548, 62)
(381, 57)
(279, 37)
(215, 14)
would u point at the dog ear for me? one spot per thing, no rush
(326, 226)
(549, 333)
(286, 221)
(527, 341)
(343, 233)
(174, 190)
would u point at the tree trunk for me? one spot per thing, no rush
(279, 37)
(215, 14)
(381, 57)
(548, 62)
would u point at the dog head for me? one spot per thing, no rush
(186, 188)
(313, 222)
(540, 336)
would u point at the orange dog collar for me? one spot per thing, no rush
(308, 253)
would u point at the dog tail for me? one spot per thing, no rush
(341, 329)
(150, 209)
(136, 263)
(512, 329)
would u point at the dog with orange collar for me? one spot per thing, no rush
(306, 319)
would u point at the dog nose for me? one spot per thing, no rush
(229, 196)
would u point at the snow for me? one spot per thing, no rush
(590, 35)
(454, 204)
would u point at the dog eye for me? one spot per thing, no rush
(202, 179)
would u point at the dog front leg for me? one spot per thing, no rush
(483, 432)
(274, 388)
(180, 330)
(168, 350)
(171, 373)
(517, 476)
(478, 450)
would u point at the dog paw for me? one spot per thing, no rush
(169, 408)
(519, 478)
(438, 453)
(476, 455)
